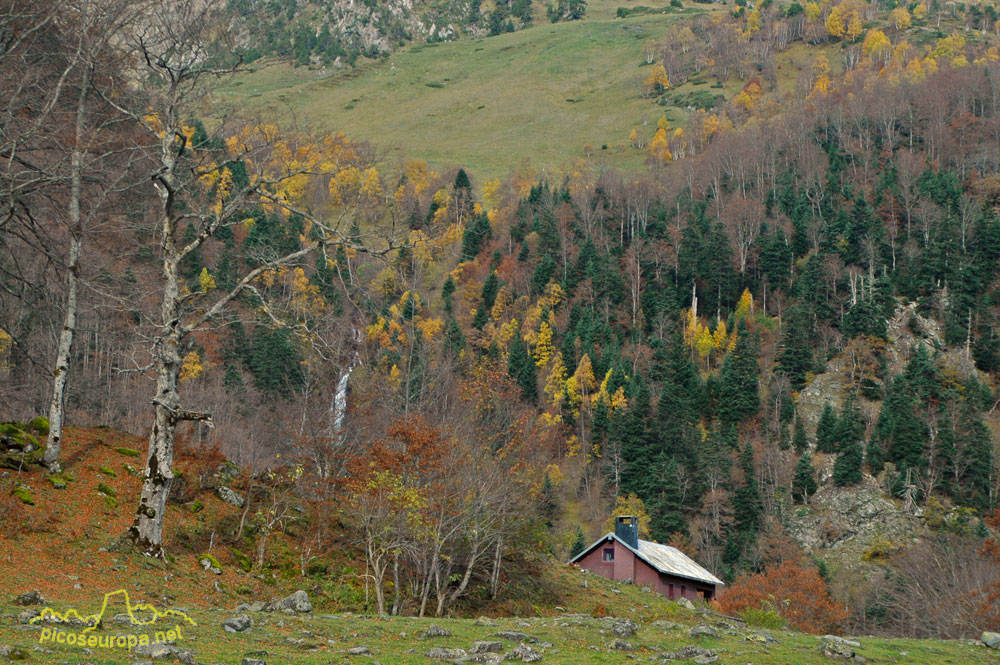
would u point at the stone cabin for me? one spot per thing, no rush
(622, 556)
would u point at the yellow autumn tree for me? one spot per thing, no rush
(877, 46)
(854, 27)
(657, 82)
(544, 348)
(744, 308)
(753, 22)
(749, 95)
(659, 150)
(633, 138)
(191, 366)
(663, 123)
(720, 338)
(555, 383)
(836, 22)
(900, 18)
(206, 281)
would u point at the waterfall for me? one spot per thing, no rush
(340, 397)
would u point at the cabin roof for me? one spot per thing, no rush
(663, 558)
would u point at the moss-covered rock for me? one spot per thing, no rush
(39, 425)
(107, 491)
(194, 506)
(13, 436)
(211, 559)
(23, 492)
(242, 559)
(58, 482)
(110, 502)
(108, 471)
(128, 452)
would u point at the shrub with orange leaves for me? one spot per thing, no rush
(796, 593)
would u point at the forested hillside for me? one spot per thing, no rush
(788, 320)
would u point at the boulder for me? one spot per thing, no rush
(206, 563)
(835, 647)
(622, 645)
(703, 630)
(525, 654)
(359, 651)
(691, 652)
(623, 627)
(486, 647)
(663, 624)
(297, 602)
(685, 603)
(237, 624)
(485, 658)
(992, 640)
(515, 636)
(253, 661)
(447, 653)
(13, 653)
(26, 616)
(229, 496)
(485, 621)
(760, 637)
(436, 631)
(30, 598)
(156, 651)
(257, 606)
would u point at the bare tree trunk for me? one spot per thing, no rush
(61, 374)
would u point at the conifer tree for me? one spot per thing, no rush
(795, 358)
(665, 506)
(521, 367)
(800, 442)
(976, 453)
(850, 432)
(875, 456)
(826, 430)
(804, 482)
(578, 543)
(738, 382)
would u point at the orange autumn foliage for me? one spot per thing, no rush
(794, 592)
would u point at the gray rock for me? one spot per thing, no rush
(691, 652)
(623, 627)
(992, 640)
(622, 645)
(760, 637)
(835, 647)
(486, 647)
(253, 661)
(229, 496)
(206, 563)
(155, 651)
(663, 624)
(684, 602)
(13, 653)
(703, 630)
(238, 623)
(436, 631)
(227, 472)
(485, 621)
(447, 653)
(297, 602)
(257, 606)
(185, 656)
(525, 654)
(486, 658)
(515, 636)
(358, 651)
(705, 660)
(30, 598)
(27, 615)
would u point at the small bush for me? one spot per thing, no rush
(762, 618)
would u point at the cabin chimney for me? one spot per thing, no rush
(627, 530)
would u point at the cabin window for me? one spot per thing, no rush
(671, 596)
(609, 554)
(684, 590)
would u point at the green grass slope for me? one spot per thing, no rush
(563, 637)
(537, 96)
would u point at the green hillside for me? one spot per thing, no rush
(537, 96)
